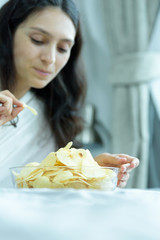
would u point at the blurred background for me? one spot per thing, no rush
(121, 57)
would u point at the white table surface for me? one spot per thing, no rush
(127, 214)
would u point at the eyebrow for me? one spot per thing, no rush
(50, 35)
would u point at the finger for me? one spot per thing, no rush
(14, 99)
(16, 111)
(130, 166)
(5, 118)
(125, 167)
(123, 176)
(121, 184)
(17, 102)
(6, 104)
(127, 157)
(2, 109)
(135, 163)
(3, 99)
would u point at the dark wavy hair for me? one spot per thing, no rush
(63, 97)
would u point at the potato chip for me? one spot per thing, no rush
(93, 172)
(76, 185)
(51, 173)
(25, 185)
(30, 183)
(42, 182)
(32, 164)
(26, 171)
(68, 146)
(71, 157)
(20, 184)
(50, 160)
(35, 174)
(57, 185)
(103, 184)
(78, 174)
(63, 177)
(89, 160)
(30, 108)
(109, 173)
(32, 175)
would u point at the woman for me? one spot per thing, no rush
(40, 43)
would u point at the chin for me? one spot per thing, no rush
(41, 84)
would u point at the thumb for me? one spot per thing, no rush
(17, 102)
(16, 111)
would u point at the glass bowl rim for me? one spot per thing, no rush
(101, 167)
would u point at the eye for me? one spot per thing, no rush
(63, 50)
(37, 42)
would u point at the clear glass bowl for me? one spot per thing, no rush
(102, 178)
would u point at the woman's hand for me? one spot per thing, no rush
(7, 111)
(124, 162)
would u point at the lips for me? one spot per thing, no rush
(42, 72)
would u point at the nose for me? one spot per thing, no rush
(49, 55)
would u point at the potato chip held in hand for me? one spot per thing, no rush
(30, 108)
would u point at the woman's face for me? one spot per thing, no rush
(42, 47)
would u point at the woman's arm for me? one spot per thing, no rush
(124, 162)
(7, 109)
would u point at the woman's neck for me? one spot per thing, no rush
(20, 92)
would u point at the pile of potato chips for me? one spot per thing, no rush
(67, 168)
